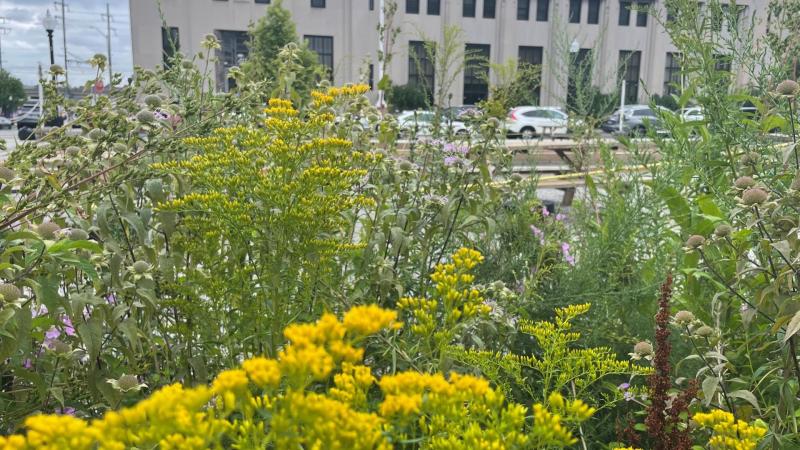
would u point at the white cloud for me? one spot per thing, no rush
(25, 45)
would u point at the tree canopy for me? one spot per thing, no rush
(12, 94)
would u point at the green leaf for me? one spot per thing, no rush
(679, 208)
(91, 334)
(746, 396)
(66, 244)
(710, 385)
(793, 327)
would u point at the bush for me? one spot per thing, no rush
(407, 97)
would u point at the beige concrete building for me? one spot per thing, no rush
(344, 34)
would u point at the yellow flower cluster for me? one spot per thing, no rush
(729, 433)
(356, 89)
(455, 300)
(280, 108)
(548, 429)
(369, 319)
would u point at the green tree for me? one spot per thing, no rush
(12, 95)
(268, 37)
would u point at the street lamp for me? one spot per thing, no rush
(49, 23)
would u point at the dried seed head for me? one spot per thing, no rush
(72, 150)
(754, 196)
(704, 331)
(153, 101)
(145, 116)
(684, 317)
(695, 241)
(9, 292)
(744, 182)
(788, 88)
(6, 174)
(643, 348)
(96, 134)
(76, 234)
(119, 147)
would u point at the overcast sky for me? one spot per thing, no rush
(24, 44)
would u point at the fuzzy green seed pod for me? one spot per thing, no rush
(76, 234)
(119, 147)
(141, 267)
(9, 292)
(704, 331)
(744, 182)
(56, 69)
(684, 317)
(72, 151)
(785, 223)
(186, 64)
(695, 241)
(788, 88)
(128, 382)
(643, 348)
(405, 165)
(723, 230)
(516, 177)
(96, 134)
(754, 196)
(47, 230)
(153, 101)
(145, 116)
(43, 145)
(750, 158)
(6, 174)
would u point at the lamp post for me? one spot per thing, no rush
(49, 23)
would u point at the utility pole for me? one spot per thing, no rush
(108, 44)
(64, 37)
(3, 31)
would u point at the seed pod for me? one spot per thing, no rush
(96, 134)
(695, 241)
(684, 317)
(9, 292)
(72, 150)
(145, 116)
(788, 88)
(61, 348)
(153, 101)
(643, 348)
(754, 196)
(47, 230)
(6, 174)
(76, 234)
(744, 182)
(704, 331)
(723, 230)
(141, 267)
(186, 64)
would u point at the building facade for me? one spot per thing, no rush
(623, 38)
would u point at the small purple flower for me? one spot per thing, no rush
(463, 149)
(567, 257)
(27, 363)
(624, 386)
(67, 411)
(538, 233)
(39, 311)
(111, 299)
(560, 217)
(449, 147)
(69, 330)
(545, 212)
(451, 160)
(52, 334)
(628, 396)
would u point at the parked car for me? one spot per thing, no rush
(635, 120)
(531, 121)
(692, 114)
(420, 123)
(462, 112)
(5, 123)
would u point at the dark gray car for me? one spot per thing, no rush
(636, 119)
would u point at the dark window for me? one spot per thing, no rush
(575, 11)
(265, 2)
(672, 74)
(594, 12)
(412, 6)
(532, 56)
(433, 7)
(317, 3)
(641, 15)
(371, 5)
(629, 63)
(170, 43)
(371, 76)
(523, 9)
(323, 46)
(624, 14)
(579, 76)
(476, 74)
(468, 8)
(232, 53)
(488, 9)
(670, 13)
(420, 67)
(542, 8)
(723, 63)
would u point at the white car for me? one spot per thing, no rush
(5, 123)
(692, 114)
(420, 123)
(530, 121)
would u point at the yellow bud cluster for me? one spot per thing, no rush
(729, 433)
(321, 98)
(356, 89)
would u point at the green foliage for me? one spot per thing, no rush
(407, 97)
(12, 94)
(268, 37)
